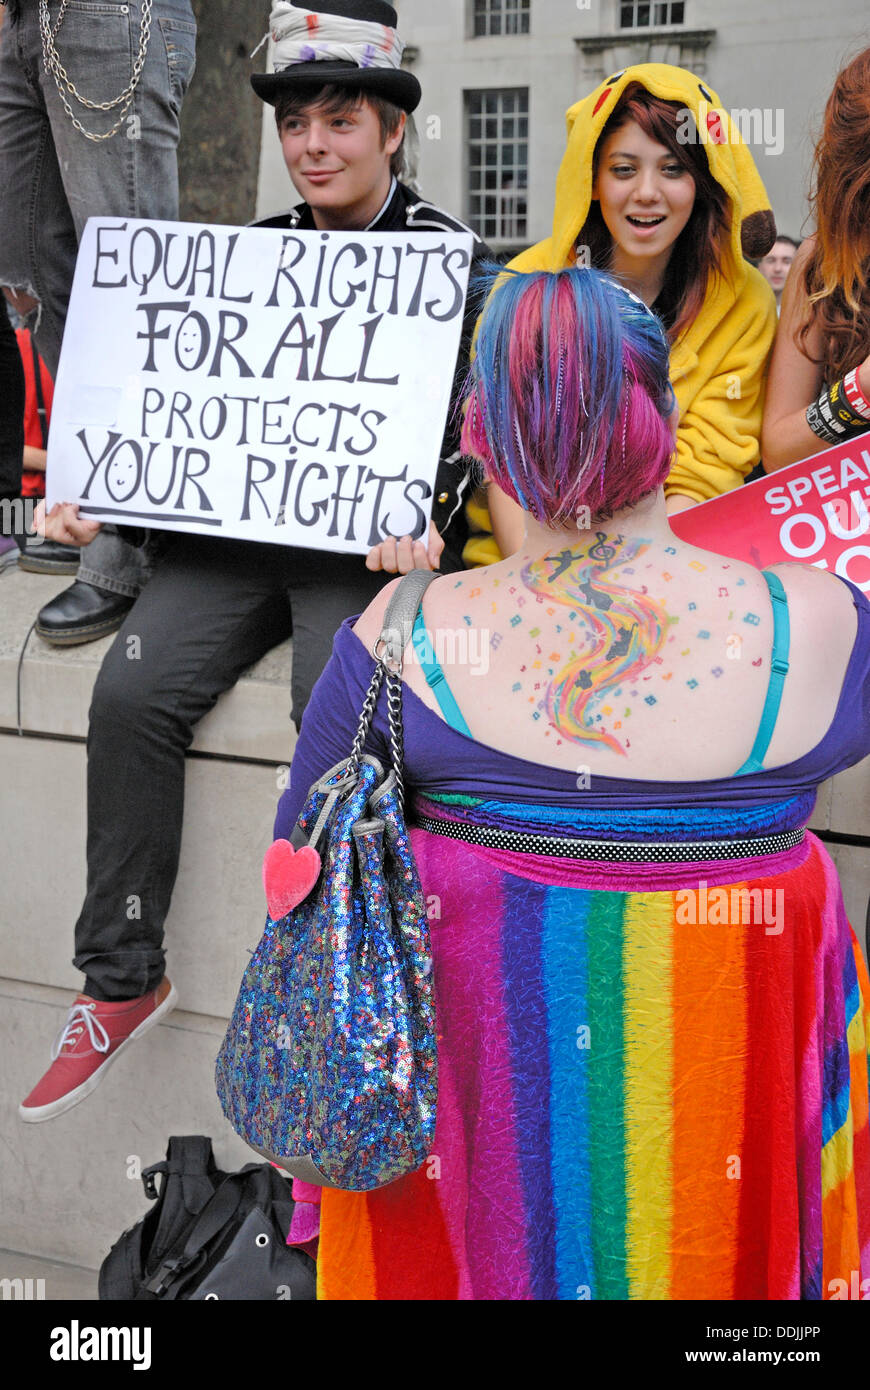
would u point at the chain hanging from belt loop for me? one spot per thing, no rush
(55, 68)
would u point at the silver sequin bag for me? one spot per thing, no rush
(329, 1064)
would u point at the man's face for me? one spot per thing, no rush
(338, 163)
(774, 266)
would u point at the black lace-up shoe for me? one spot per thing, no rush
(82, 613)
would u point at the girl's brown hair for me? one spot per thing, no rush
(696, 254)
(838, 270)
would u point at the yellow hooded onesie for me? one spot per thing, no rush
(719, 363)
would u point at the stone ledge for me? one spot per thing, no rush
(673, 34)
(251, 722)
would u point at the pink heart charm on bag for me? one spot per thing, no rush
(288, 876)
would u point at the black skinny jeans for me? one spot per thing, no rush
(212, 608)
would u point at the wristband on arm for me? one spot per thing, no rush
(854, 395)
(836, 415)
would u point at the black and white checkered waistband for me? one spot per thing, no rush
(613, 851)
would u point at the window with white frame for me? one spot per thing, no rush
(498, 163)
(500, 17)
(645, 14)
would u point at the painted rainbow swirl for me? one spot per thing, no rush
(628, 630)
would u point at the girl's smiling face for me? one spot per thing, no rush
(645, 194)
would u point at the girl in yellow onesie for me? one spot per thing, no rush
(657, 186)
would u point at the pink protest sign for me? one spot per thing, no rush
(815, 511)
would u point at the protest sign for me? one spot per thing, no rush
(815, 511)
(271, 385)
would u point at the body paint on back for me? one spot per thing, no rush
(627, 628)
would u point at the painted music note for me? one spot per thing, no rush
(601, 551)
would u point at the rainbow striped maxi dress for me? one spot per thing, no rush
(653, 1071)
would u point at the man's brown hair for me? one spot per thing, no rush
(333, 100)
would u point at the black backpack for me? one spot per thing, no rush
(209, 1235)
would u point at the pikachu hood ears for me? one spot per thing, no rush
(753, 229)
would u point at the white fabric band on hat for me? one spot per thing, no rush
(307, 36)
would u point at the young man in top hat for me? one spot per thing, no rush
(327, 109)
(214, 606)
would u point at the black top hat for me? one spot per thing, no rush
(394, 84)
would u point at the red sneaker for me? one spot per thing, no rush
(90, 1040)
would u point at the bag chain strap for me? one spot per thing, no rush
(397, 733)
(394, 712)
(365, 720)
(64, 83)
(389, 651)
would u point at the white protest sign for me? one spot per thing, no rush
(271, 385)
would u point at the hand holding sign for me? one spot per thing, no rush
(404, 555)
(256, 383)
(64, 524)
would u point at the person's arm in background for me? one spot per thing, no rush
(34, 459)
(718, 437)
(795, 380)
(39, 397)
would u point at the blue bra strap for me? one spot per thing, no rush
(778, 670)
(436, 678)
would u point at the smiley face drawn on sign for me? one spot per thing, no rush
(192, 342)
(122, 474)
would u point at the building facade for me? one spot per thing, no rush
(498, 76)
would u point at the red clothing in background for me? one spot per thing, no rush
(33, 481)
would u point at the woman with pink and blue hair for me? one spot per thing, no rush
(653, 1015)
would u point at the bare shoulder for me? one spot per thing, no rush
(822, 603)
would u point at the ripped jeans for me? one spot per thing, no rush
(53, 178)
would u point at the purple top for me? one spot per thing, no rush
(440, 760)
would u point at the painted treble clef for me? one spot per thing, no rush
(601, 551)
